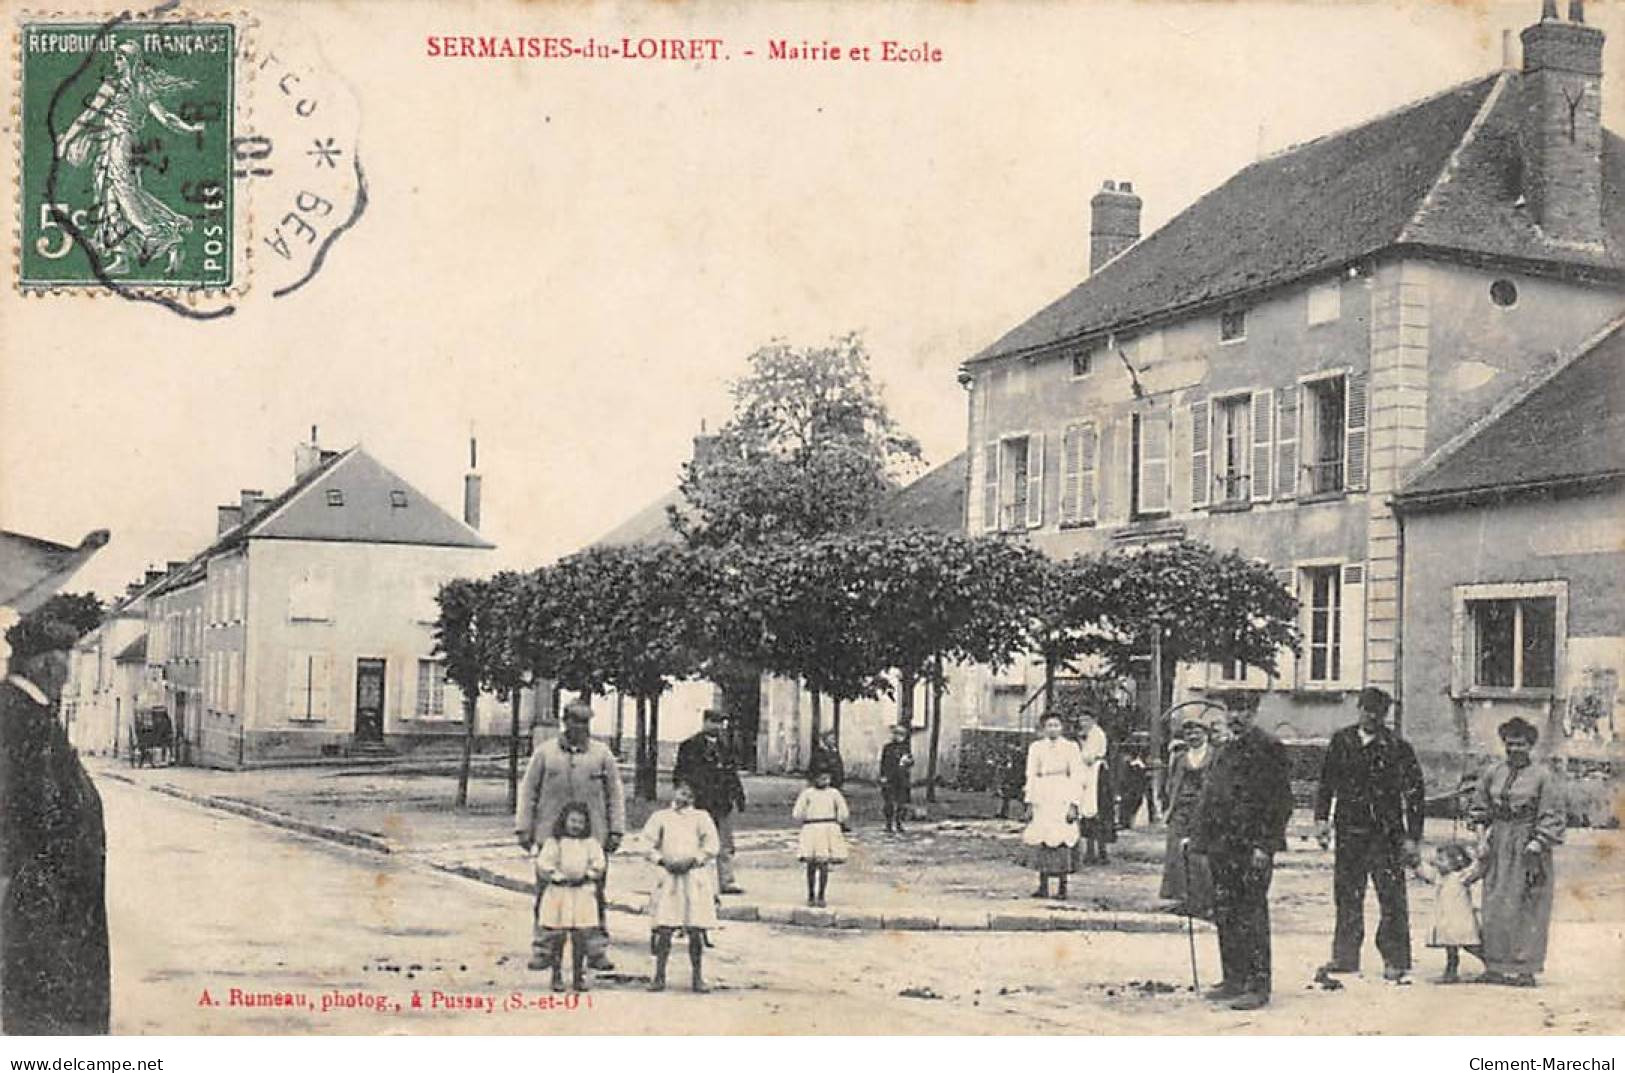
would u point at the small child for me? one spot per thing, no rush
(569, 864)
(683, 841)
(1455, 922)
(823, 814)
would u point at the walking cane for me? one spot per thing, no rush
(1190, 924)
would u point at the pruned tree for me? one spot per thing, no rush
(464, 635)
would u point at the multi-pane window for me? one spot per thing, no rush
(1015, 462)
(1322, 598)
(431, 689)
(1324, 404)
(1232, 448)
(1514, 642)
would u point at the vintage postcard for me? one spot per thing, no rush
(831, 518)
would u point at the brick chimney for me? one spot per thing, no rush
(1114, 222)
(227, 517)
(1561, 124)
(307, 456)
(472, 486)
(251, 501)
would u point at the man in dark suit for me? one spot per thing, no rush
(706, 763)
(1240, 825)
(1372, 776)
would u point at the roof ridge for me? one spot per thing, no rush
(301, 484)
(1491, 99)
(1445, 451)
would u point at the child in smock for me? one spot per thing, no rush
(823, 813)
(1452, 873)
(683, 843)
(569, 864)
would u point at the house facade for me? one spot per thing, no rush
(1513, 554)
(1268, 369)
(107, 675)
(306, 629)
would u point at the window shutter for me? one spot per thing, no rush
(1263, 444)
(1035, 480)
(1286, 664)
(1353, 615)
(1071, 466)
(1355, 432)
(299, 685)
(990, 487)
(1087, 467)
(1201, 474)
(1286, 443)
(321, 684)
(1155, 430)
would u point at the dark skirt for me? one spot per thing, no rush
(1050, 860)
(1197, 894)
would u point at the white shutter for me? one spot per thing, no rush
(1035, 480)
(1155, 433)
(1201, 473)
(1071, 465)
(299, 685)
(321, 685)
(1352, 611)
(1286, 664)
(1088, 448)
(1263, 444)
(990, 487)
(1286, 443)
(1355, 433)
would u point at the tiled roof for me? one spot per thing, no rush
(1426, 174)
(1569, 426)
(934, 501)
(651, 525)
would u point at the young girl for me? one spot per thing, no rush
(1455, 921)
(683, 841)
(1054, 797)
(569, 863)
(823, 814)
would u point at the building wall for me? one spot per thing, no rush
(377, 603)
(1574, 540)
(97, 699)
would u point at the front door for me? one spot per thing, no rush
(369, 700)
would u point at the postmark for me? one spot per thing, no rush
(126, 171)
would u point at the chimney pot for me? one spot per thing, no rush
(1561, 126)
(471, 500)
(1109, 184)
(1125, 187)
(1114, 222)
(1577, 11)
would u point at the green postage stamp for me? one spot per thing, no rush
(126, 155)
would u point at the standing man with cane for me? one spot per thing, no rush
(1241, 824)
(1372, 776)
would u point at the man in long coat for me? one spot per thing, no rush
(1240, 825)
(707, 764)
(54, 965)
(572, 767)
(1372, 776)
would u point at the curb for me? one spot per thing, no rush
(764, 913)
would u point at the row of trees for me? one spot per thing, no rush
(860, 614)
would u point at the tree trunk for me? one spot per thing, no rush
(906, 683)
(1163, 666)
(618, 742)
(1049, 685)
(513, 752)
(468, 749)
(835, 719)
(640, 744)
(817, 719)
(936, 736)
(650, 775)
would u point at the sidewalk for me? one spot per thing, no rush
(963, 872)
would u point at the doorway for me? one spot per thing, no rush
(369, 700)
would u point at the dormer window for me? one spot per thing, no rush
(397, 498)
(1233, 326)
(335, 497)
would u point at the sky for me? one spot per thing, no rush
(574, 258)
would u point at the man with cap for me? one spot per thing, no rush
(1240, 825)
(54, 968)
(572, 767)
(1372, 777)
(707, 764)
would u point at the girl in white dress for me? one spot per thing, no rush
(1054, 796)
(823, 813)
(569, 864)
(683, 841)
(1454, 870)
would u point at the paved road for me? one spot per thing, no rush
(207, 902)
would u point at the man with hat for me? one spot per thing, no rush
(54, 969)
(707, 764)
(1240, 825)
(572, 767)
(1372, 777)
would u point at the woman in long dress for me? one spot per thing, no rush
(1520, 808)
(1054, 795)
(1097, 811)
(1187, 771)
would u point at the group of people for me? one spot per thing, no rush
(1229, 799)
